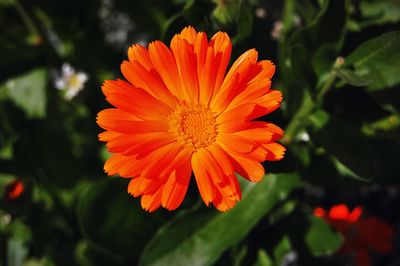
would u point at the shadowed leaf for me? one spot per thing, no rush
(206, 237)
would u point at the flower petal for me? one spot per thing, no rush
(339, 212)
(108, 135)
(164, 63)
(206, 187)
(142, 185)
(139, 54)
(257, 87)
(236, 142)
(149, 80)
(175, 189)
(151, 202)
(267, 104)
(126, 97)
(187, 67)
(261, 132)
(189, 34)
(222, 47)
(119, 121)
(139, 143)
(275, 151)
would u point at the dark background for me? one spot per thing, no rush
(341, 119)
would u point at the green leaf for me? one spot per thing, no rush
(244, 22)
(28, 91)
(300, 78)
(282, 249)
(200, 238)
(17, 245)
(343, 142)
(17, 251)
(378, 60)
(44, 261)
(384, 126)
(379, 12)
(306, 9)
(321, 239)
(263, 259)
(288, 22)
(104, 154)
(226, 11)
(167, 27)
(238, 254)
(286, 209)
(351, 78)
(323, 37)
(7, 3)
(113, 221)
(81, 255)
(310, 54)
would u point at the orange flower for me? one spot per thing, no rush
(15, 189)
(179, 112)
(361, 235)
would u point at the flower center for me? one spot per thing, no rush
(74, 81)
(194, 125)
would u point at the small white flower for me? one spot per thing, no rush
(304, 136)
(276, 30)
(69, 81)
(5, 219)
(296, 20)
(261, 12)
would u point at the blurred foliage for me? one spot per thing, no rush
(337, 65)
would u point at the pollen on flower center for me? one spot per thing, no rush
(194, 125)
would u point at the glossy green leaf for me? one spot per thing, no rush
(28, 91)
(343, 142)
(378, 60)
(321, 239)
(198, 239)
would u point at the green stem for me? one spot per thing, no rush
(328, 84)
(26, 18)
(287, 21)
(298, 121)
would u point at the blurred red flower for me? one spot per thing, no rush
(15, 189)
(361, 235)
